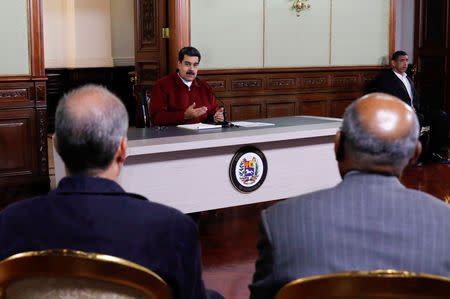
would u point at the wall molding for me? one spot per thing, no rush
(124, 61)
(92, 62)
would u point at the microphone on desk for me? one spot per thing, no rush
(225, 123)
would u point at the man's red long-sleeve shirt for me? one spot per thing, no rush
(171, 97)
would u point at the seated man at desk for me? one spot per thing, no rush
(181, 97)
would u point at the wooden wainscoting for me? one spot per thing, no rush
(23, 144)
(261, 93)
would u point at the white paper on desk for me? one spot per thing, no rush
(249, 124)
(199, 126)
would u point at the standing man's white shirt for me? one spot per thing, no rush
(405, 81)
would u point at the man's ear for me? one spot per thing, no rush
(415, 157)
(122, 150)
(54, 143)
(339, 146)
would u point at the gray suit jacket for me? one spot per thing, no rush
(367, 222)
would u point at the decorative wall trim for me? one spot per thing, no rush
(246, 84)
(148, 23)
(123, 61)
(13, 93)
(43, 153)
(92, 62)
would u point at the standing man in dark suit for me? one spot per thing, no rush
(397, 83)
(368, 221)
(89, 211)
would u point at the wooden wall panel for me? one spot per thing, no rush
(281, 109)
(247, 84)
(314, 107)
(259, 93)
(245, 111)
(315, 81)
(23, 124)
(23, 139)
(281, 83)
(340, 102)
(16, 137)
(150, 46)
(338, 107)
(15, 95)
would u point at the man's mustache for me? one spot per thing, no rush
(190, 73)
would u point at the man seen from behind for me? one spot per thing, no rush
(90, 212)
(369, 221)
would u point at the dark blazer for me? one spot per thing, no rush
(97, 215)
(389, 83)
(367, 222)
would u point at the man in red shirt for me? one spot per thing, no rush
(181, 97)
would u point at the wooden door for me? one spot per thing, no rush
(432, 53)
(150, 47)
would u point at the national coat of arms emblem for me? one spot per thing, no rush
(248, 169)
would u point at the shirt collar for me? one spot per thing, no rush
(187, 83)
(181, 82)
(352, 172)
(87, 184)
(401, 76)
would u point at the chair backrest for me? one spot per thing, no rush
(63, 273)
(362, 285)
(145, 102)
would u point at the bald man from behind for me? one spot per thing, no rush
(369, 220)
(90, 212)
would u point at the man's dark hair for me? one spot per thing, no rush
(87, 141)
(189, 51)
(398, 54)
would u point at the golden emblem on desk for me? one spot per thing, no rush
(299, 5)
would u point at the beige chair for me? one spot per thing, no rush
(64, 273)
(364, 285)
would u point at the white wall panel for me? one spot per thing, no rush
(122, 32)
(360, 32)
(58, 33)
(228, 34)
(93, 33)
(14, 38)
(292, 41)
(404, 32)
(77, 33)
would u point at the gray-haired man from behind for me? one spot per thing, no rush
(368, 221)
(89, 211)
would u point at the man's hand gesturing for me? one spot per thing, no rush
(192, 112)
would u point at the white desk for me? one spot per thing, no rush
(188, 170)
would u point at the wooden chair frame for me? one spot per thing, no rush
(374, 284)
(71, 263)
